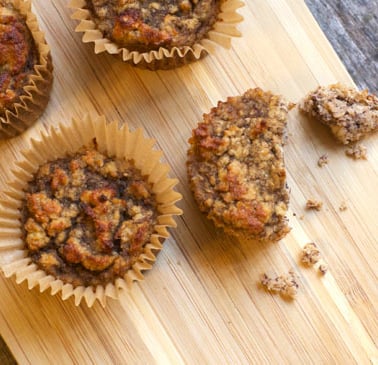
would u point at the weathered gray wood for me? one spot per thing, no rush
(352, 28)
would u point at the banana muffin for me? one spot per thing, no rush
(236, 166)
(86, 218)
(25, 68)
(146, 25)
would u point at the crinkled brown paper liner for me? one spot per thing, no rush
(67, 139)
(163, 58)
(36, 94)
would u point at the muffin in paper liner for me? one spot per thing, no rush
(35, 94)
(115, 142)
(220, 34)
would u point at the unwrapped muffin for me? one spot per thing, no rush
(157, 34)
(90, 211)
(25, 68)
(236, 166)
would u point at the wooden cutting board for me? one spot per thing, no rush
(201, 303)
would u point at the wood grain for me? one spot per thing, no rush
(201, 302)
(352, 28)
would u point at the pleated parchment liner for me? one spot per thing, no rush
(114, 141)
(223, 30)
(36, 93)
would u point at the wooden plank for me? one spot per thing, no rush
(201, 302)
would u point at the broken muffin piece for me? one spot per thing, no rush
(357, 152)
(350, 114)
(236, 166)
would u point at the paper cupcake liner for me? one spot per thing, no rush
(114, 141)
(36, 94)
(223, 30)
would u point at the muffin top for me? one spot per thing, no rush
(145, 25)
(18, 55)
(87, 218)
(236, 167)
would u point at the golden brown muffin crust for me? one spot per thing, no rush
(235, 165)
(18, 55)
(145, 25)
(87, 218)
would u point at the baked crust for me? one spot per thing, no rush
(236, 167)
(87, 218)
(26, 68)
(350, 114)
(146, 25)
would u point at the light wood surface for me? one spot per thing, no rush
(201, 304)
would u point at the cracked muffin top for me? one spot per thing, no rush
(236, 168)
(18, 55)
(87, 218)
(145, 25)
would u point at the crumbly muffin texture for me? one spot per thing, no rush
(145, 25)
(18, 55)
(349, 113)
(87, 218)
(236, 167)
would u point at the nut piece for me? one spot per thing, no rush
(349, 113)
(314, 204)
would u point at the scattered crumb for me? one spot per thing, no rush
(294, 214)
(343, 207)
(323, 268)
(301, 217)
(285, 284)
(310, 254)
(314, 204)
(357, 152)
(323, 160)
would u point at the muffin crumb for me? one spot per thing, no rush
(323, 160)
(285, 284)
(313, 204)
(310, 254)
(323, 268)
(357, 152)
(343, 207)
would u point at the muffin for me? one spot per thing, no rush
(25, 68)
(157, 34)
(350, 114)
(90, 219)
(236, 166)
